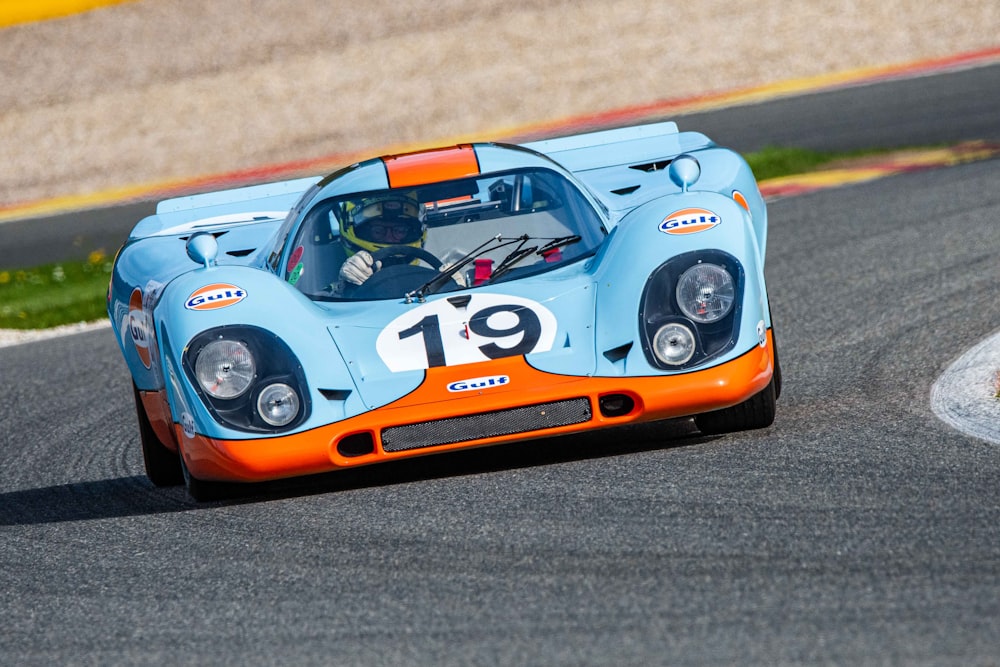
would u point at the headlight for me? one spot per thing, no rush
(225, 368)
(248, 378)
(691, 309)
(278, 404)
(674, 344)
(705, 293)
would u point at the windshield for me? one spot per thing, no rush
(462, 234)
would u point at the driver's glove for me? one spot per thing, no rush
(359, 267)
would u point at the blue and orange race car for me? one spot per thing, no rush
(445, 299)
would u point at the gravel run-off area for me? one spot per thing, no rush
(156, 90)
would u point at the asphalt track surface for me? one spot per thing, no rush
(859, 529)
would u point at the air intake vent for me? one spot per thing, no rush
(625, 191)
(215, 234)
(335, 394)
(659, 165)
(486, 425)
(616, 354)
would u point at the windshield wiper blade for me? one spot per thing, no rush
(513, 258)
(510, 260)
(558, 243)
(435, 283)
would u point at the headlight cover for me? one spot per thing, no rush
(674, 344)
(278, 404)
(706, 292)
(248, 378)
(690, 309)
(225, 368)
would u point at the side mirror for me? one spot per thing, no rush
(685, 171)
(202, 248)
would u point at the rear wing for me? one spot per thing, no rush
(235, 195)
(213, 211)
(622, 165)
(606, 148)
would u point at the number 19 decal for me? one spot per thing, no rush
(452, 332)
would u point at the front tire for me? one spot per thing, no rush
(755, 412)
(163, 465)
(202, 491)
(777, 364)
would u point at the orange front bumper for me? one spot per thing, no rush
(315, 451)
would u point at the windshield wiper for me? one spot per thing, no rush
(435, 283)
(559, 242)
(513, 258)
(508, 262)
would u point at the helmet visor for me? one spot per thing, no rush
(390, 221)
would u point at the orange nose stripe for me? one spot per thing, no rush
(431, 166)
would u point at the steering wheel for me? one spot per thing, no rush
(400, 276)
(404, 254)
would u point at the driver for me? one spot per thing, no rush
(377, 222)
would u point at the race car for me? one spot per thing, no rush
(444, 299)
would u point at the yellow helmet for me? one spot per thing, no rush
(380, 221)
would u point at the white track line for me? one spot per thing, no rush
(10, 337)
(965, 396)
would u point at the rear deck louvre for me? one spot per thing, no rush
(486, 425)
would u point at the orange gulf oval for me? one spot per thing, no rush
(218, 295)
(137, 327)
(690, 221)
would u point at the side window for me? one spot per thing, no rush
(316, 255)
(502, 190)
(286, 227)
(517, 193)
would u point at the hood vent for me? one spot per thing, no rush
(647, 167)
(626, 191)
(335, 394)
(616, 354)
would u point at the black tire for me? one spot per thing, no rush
(202, 491)
(163, 465)
(777, 365)
(755, 412)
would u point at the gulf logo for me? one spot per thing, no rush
(211, 297)
(478, 383)
(689, 221)
(138, 328)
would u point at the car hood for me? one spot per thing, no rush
(388, 346)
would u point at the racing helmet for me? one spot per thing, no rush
(380, 221)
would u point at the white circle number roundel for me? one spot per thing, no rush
(462, 330)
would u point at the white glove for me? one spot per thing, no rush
(359, 267)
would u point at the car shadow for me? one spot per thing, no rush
(604, 443)
(136, 496)
(97, 499)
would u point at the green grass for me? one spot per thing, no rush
(773, 162)
(70, 292)
(54, 294)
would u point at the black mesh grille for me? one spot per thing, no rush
(489, 424)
